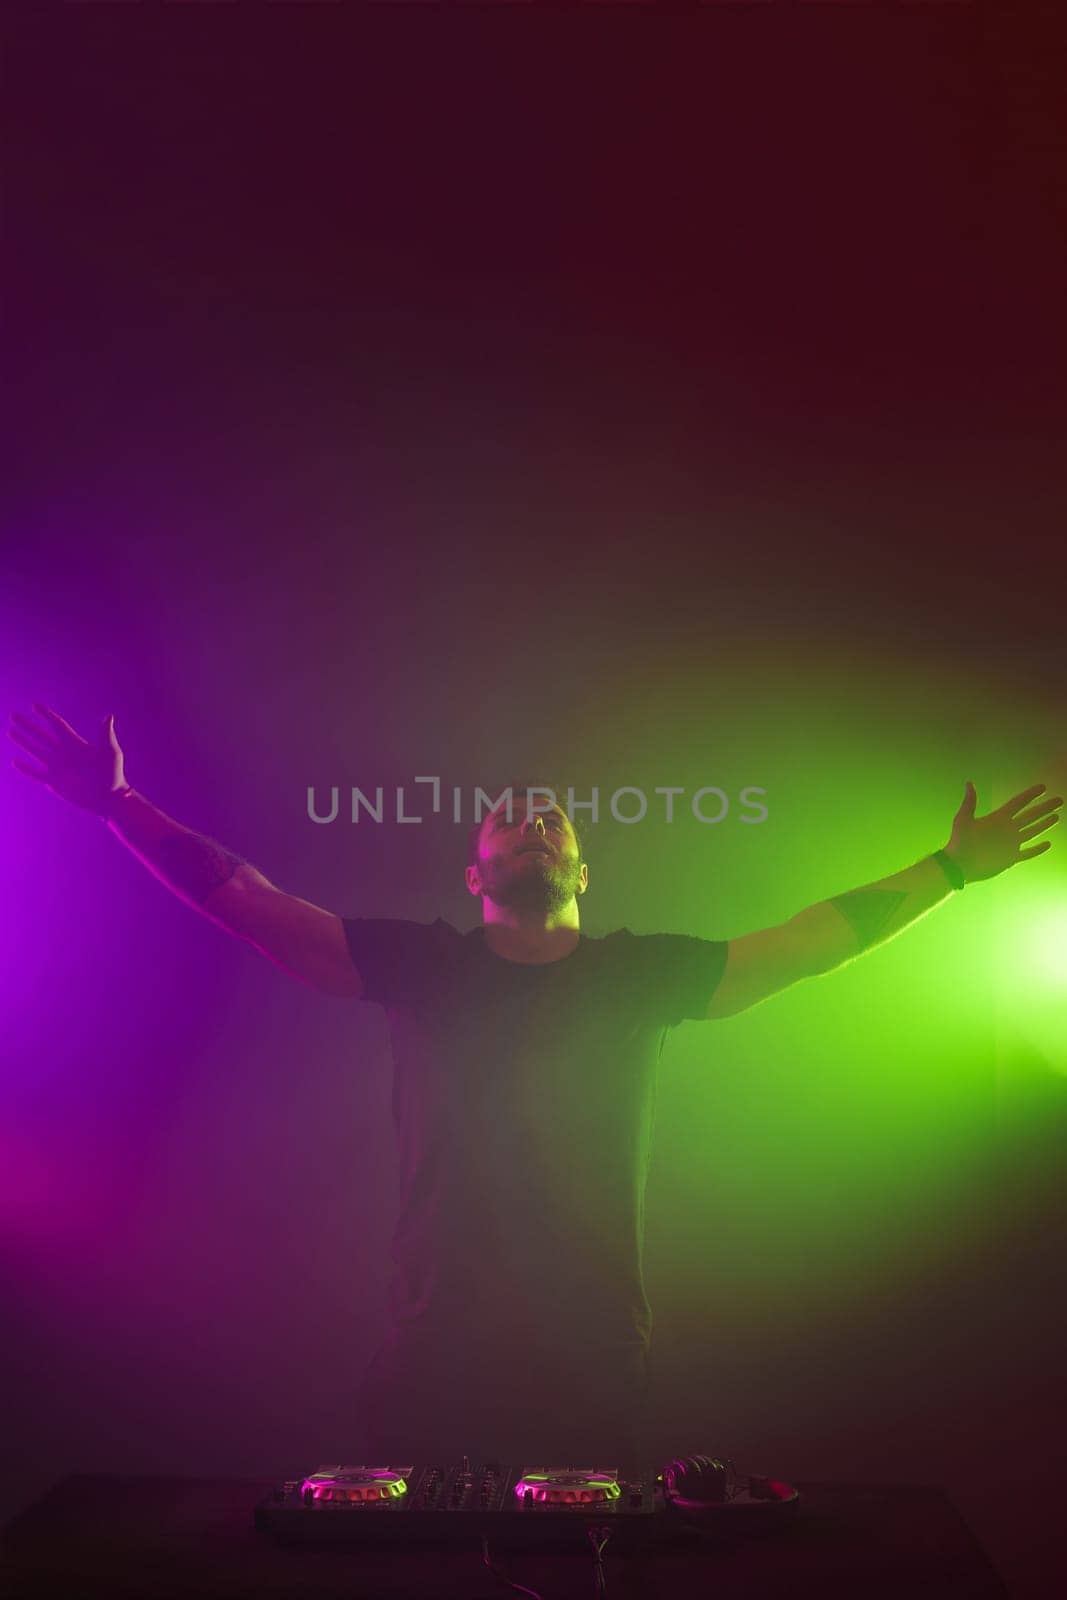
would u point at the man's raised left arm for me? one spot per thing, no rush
(826, 935)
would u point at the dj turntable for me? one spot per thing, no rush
(532, 1504)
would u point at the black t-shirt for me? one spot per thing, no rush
(524, 1104)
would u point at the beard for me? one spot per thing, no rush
(541, 884)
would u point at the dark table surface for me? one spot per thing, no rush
(95, 1535)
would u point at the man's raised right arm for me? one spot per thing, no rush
(300, 938)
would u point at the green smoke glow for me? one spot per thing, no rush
(841, 1133)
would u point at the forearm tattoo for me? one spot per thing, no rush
(868, 911)
(196, 865)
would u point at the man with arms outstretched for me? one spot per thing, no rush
(524, 1059)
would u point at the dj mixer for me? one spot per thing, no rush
(530, 1504)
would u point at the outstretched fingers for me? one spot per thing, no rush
(1034, 813)
(42, 777)
(56, 720)
(25, 734)
(1018, 801)
(1039, 827)
(31, 748)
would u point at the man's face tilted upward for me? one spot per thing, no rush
(532, 863)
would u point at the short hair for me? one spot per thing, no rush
(518, 791)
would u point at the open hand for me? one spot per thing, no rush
(986, 846)
(85, 774)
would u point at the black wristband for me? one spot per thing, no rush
(951, 869)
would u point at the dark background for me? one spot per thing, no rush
(410, 345)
